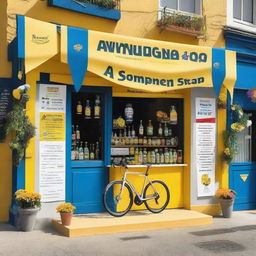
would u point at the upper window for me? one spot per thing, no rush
(190, 6)
(241, 14)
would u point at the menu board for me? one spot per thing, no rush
(205, 129)
(52, 150)
(5, 106)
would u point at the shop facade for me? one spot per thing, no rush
(81, 179)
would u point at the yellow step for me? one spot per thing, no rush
(102, 223)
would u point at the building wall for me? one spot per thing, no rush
(138, 19)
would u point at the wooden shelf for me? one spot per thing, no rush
(153, 165)
(142, 146)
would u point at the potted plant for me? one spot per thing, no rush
(226, 199)
(66, 212)
(29, 204)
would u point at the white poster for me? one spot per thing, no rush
(52, 145)
(205, 129)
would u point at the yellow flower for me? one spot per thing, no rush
(227, 151)
(237, 127)
(65, 207)
(233, 108)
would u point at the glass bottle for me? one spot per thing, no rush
(97, 151)
(79, 108)
(141, 129)
(144, 161)
(92, 152)
(179, 157)
(77, 132)
(153, 157)
(87, 110)
(73, 153)
(150, 129)
(157, 156)
(160, 130)
(140, 156)
(128, 113)
(86, 151)
(174, 156)
(166, 131)
(170, 132)
(112, 139)
(148, 157)
(166, 156)
(145, 141)
(73, 134)
(170, 156)
(133, 132)
(136, 156)
(173, 115)
(76, 151)
(97, 108)
(161, 156)
(81, 152)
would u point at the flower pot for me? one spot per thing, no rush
(226, 207)
(27, 218)
(66, 218)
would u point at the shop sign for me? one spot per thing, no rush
(205, 129)
(52, 149)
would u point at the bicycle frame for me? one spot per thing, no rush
(146, 181)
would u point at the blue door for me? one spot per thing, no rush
(242, 172)
(86, 179)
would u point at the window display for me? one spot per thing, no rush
(147, 131)
(87, 127)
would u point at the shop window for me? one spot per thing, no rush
(241, 14)
(247, 142)
(147, 131)
(87, 127)
(190, 6)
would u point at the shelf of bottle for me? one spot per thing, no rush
(143, 146)
(152, 165)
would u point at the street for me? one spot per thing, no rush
(234, 236)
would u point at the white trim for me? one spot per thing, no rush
(239, 24)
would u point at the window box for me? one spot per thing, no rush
(109, 9)
(185, 23)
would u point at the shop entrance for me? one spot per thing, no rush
(87, 171)
(243, 169)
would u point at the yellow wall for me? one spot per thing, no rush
(138, 19)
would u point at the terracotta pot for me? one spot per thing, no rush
(66, 218)
(226, 207)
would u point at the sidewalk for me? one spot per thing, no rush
(235, 236)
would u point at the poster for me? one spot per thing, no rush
(205, 129)
(52, 151)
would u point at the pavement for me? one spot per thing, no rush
(234, 236)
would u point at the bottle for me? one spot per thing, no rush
(112, 139)
(97, 151)
(170, 156)
(133, 132)
(140, 156)
(81, 152)
(150, 129)
(179, 157)
(86, 151)
(77, 132)
(153, 157)
(76, 151)
(166, 156)
(148, 157)
(136, 156)
(144, 160)
(87, 110)
(174, 156)
(169, 132)
(128, 113)
(173, 115)
(92, 154)
(79, 108)
(145, 141)
(157, 156)
(141, 129)
(160, 130)
(73, 153)
(166, 131)
(97, 108)
(161, 156)
(73, 134)
(132, 151)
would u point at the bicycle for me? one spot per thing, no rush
(118, 196)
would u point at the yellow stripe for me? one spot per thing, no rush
(64, 44)
(230, 78)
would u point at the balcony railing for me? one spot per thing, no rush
(109, 4)
(190, 24)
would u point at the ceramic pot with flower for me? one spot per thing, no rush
(66, 213)
(226, 199)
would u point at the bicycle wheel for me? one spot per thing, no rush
(115, 204)
(161, 194)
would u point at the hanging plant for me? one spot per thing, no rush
(222, 99)
(230, 136)
(18, 124)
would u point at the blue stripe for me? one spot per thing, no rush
(218, 69)
(77, 54)
(21, 36)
